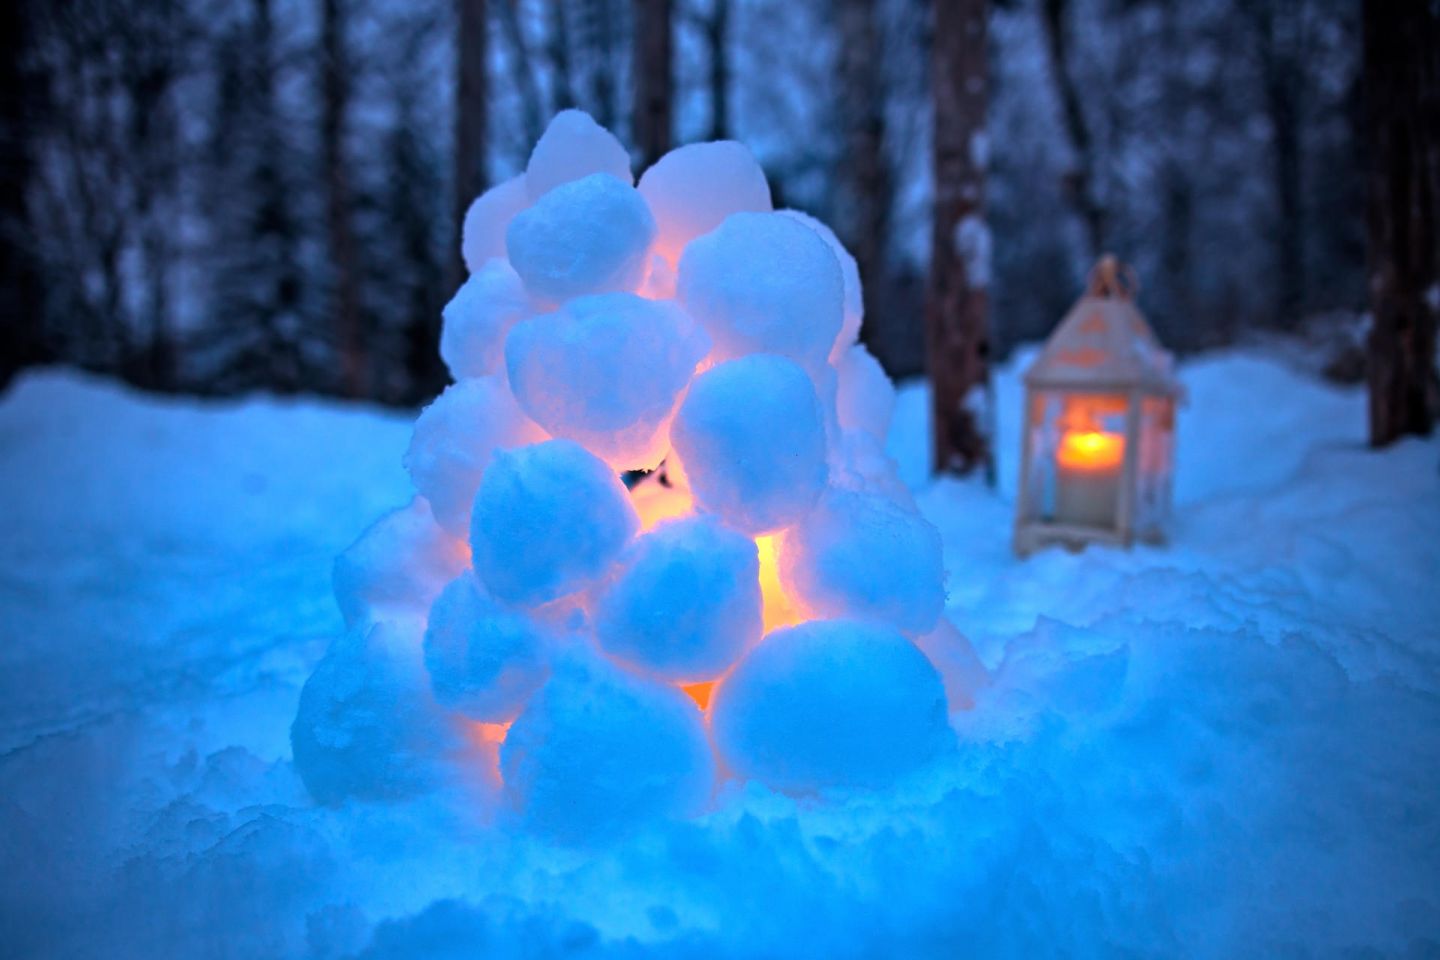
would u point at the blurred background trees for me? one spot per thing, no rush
(221, 195)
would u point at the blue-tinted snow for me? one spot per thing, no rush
(1227, 747)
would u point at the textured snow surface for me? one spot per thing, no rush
(1227, 747)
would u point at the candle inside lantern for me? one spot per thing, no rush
(1087, 488)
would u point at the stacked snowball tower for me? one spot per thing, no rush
(656, 544)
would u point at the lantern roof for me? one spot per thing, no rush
(1104, 341)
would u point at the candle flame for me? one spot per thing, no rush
(1090, 450)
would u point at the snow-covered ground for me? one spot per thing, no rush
(1226, 747)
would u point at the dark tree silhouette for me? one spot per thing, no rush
(1402, 92)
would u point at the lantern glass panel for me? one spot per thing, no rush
(1155, 468)
(1077, 457)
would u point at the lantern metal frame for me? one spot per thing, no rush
(1103, 350)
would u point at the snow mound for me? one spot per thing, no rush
(681, 330)
(1222, 748)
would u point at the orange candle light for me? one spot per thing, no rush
(1087, 489)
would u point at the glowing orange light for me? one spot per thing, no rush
(780, 609)
(1090, 450)
(699, 692)
(655, 502)
(491, 732)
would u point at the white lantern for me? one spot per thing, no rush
(1099, 429)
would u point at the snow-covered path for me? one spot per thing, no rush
(1230, 746)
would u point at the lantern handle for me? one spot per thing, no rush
(1111, 278)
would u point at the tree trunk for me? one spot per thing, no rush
(599, 39)
(957, 333)
(21, 308)
(471, 118)
(1279, 26)
(1080, 182)
(654, 79)
(563, 92)
(522, 70)
(346, 275)
(1402, 94)
(865, 172)
(717, 31)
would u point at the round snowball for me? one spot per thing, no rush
(587, 236)
(574, 146)
(454, 440)
(687, 603)
(367, 725)
(484, 660)
(693, 188)
(849, 272)
(862, 555)
(858, 461)
(599, 751)
(763, 282)
(548, 519)
(752, 441)
(830, 703)
(487, 305)
(865, 397)
(482, 235)
(606, 371)
(397, 566)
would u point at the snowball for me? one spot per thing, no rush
(858, 461)
(606, 371)
(574, 146)
(487, 305)
(484, 660)
(830, 703)
(454, 440)
(687, 603)
(850, 273)
(752, 442)
(861, 555)
(599, 750)
(397, 566)
(763, 282)
(366, 725)
(548, 519)
(954, 658)
(693, 188)
(586, 236)
(482, 235)
(865, 397)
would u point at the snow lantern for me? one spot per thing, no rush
(760, 598)
(1098, 440)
